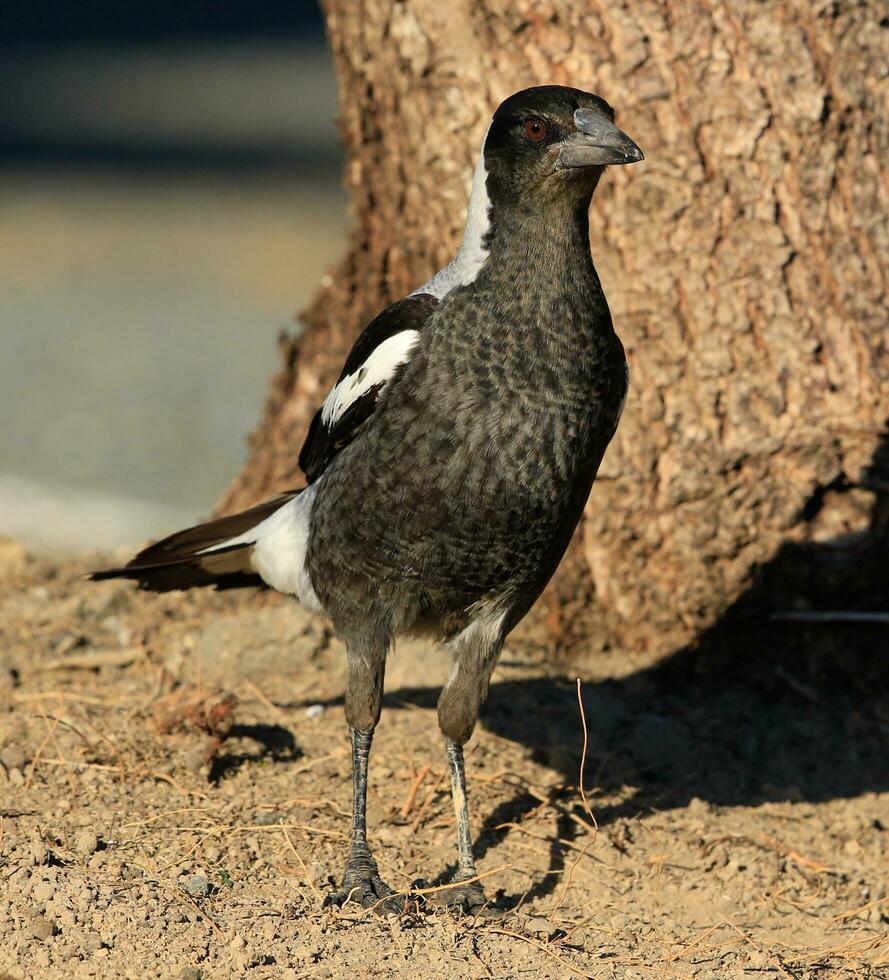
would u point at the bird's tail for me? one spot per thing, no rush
(217, 553)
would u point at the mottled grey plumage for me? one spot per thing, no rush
(450, 466)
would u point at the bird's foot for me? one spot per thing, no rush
(363, 885)
(468, 897)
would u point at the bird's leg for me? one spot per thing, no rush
(361, 879)
(364, 694)
(469, 896)
(475, 652)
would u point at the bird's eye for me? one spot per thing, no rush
(535, 129)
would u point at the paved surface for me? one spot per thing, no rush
(137, 335)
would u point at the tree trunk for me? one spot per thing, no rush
(743, 263)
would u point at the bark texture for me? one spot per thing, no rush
(744, 263)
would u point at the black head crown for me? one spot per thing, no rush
(552, 142)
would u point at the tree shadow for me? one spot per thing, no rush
(760, 708)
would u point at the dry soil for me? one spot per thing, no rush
(174, 799)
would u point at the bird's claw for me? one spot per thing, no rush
(367, 892)
(468, 897)
(363, 885)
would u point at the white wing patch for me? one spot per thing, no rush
(465, 266)
(377, 369)
(278, 548)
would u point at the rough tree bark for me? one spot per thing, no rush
(743, 262)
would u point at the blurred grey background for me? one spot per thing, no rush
(169, 198)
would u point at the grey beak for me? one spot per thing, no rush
(597, 142)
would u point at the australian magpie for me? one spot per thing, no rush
(448, 467)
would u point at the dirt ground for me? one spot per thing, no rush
(174, 800)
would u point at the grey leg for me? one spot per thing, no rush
(361, 880)
(364, 695)
(465, 860)
(469, 897)
(475, 653)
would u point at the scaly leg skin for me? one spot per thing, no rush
(361, 879)
(470, 897)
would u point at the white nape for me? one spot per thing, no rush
(279, 545)
(376, 370)
(465, 266)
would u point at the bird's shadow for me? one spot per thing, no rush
(758, 709)
(273, 742)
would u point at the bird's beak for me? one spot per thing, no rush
(597, 142)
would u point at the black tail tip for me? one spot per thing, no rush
(100, 575)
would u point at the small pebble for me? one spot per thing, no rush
(43, 891)
(41, 957)
(41, 928)
(270, 817)
(86, 844)
(190, 973)
(314, 711)
(65, 642)
(13, 757)
(197, 886)
(542, 927)
(39, 853)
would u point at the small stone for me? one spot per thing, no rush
(540, 926)
(270, 817)
(41, 928)
(314, 711)
(67, 919)
(87, 843)
(66, 641)
(84, 900)
(43, 891)
(39, 853)
(13, 757)
(190, 973)
(16, 777)
(197, 886)
(8, 679)
(13, 557)
(41, 957)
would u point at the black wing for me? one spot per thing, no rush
(383, 345)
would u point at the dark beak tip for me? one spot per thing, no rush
(632, 152)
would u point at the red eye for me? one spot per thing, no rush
(535, 129)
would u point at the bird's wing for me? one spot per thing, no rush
(385, 344)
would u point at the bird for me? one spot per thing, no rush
(449, 465)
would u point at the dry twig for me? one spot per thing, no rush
(302, 863)
(412, 792)
(544, 949)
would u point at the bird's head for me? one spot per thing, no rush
(552, 142)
